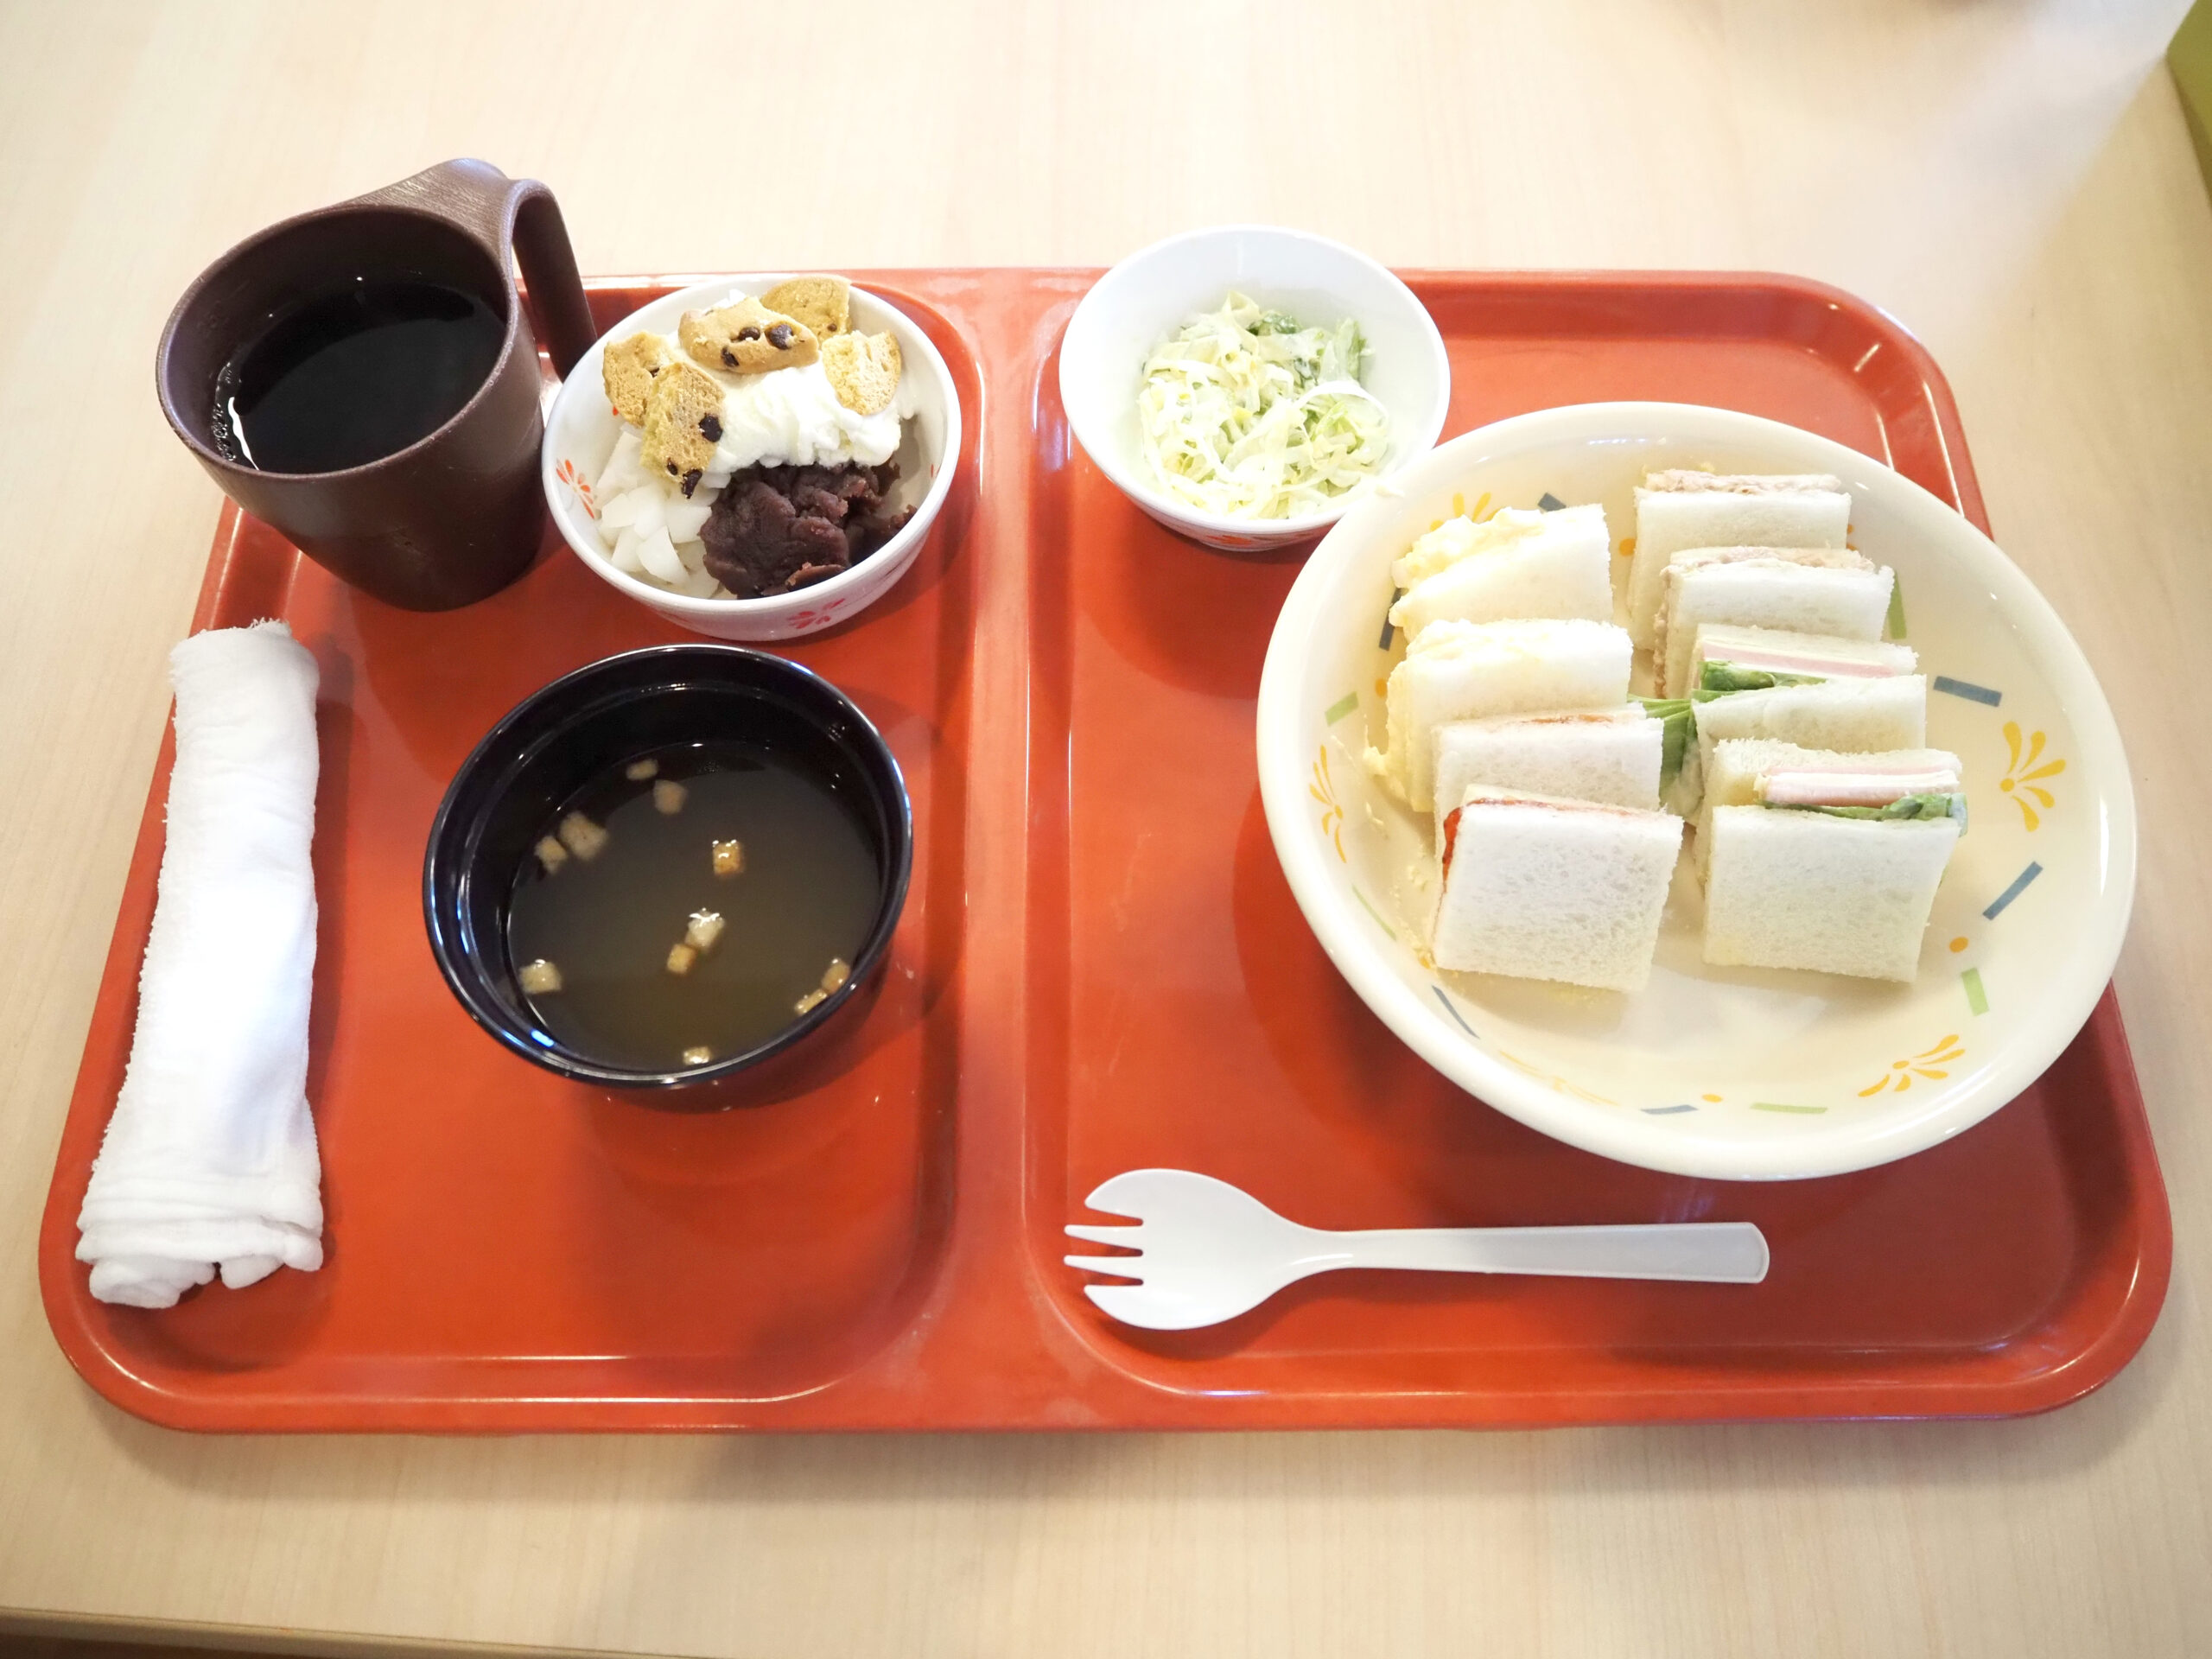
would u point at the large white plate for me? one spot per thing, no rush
(1738, 1073)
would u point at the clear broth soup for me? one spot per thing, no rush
(633, 859)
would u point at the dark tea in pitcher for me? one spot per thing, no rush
(354, 373)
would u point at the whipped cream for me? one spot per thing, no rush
(792, 417)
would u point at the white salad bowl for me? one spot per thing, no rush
(580, 431)
(1151, 294)
(1723, 1072)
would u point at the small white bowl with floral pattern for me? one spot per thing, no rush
(1730, 1073)
(582, 429)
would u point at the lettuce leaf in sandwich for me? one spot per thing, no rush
(1681, 716)
(1719, 677)
(1906, 808)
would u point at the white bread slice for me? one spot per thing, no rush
(1612, 757)
(1728, 775)
(1679, 509)
(1519, 563)
(1838, 895)
(1779, 649)
(1849, 716)
(1543, 888)
(1464, 671)
(1807, 590)
(1734, 766)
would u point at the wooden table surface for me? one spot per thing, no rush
(2013, 180)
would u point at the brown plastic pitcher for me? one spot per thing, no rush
(455, 516)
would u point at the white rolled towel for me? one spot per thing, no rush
(209, 1161)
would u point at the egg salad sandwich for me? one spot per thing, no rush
(1826, 860)
(1676, 510)
(1831, 591)
(1546, 888)
(1467, 671)
(1611, 755)
(1519, 563)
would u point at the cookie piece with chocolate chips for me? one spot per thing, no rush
(863, 371)
(628, 366)
(825, 304)
(683, 422)
(746, 337)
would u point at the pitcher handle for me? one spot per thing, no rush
(509, 217)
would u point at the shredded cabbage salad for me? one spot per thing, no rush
(1246, 414)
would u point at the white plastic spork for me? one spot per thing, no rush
(1207, 1251)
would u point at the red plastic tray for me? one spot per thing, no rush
(1100, 967)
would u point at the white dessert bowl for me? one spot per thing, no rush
(582, 428)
